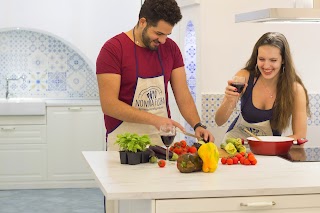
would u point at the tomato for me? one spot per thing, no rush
(235, 160)
(162, 163)
(192, 149)
(242, 160)
(229, 161)
(250, 153)
(239, 156)
(176, 144)
(223, 160)
(183, 143)
(254, 162)
(177, 150)
(251, 158)
(246, 162)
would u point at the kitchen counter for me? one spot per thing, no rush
(271, 176)
(70, 102)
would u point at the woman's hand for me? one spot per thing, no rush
(232, 92)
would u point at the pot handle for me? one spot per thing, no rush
(300, 141)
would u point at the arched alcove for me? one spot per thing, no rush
(52, 68)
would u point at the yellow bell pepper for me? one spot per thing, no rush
(209, 154)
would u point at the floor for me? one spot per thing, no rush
(52, 201)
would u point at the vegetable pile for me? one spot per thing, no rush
(242, 158)
(159, 152)
(237, 151)
(205, 159)
(233, 145)
(182, 147)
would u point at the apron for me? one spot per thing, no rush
(150, 96)
(260, 128)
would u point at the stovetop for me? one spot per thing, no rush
(310, 154)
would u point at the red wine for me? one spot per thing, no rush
(239, 86)
(167, 139)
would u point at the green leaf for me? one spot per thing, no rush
(133, 142)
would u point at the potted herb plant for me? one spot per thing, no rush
(131, 147)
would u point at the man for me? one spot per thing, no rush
(133, 71)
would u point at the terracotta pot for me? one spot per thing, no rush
(270, 145)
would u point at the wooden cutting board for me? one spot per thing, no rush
(223, 153)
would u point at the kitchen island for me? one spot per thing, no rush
(274, 184)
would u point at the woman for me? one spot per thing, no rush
(273, 96)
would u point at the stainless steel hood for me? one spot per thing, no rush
(282, 14)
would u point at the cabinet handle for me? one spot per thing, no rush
(75, 108)
(258, 204)
(7, 128)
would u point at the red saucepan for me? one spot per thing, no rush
(272, 145)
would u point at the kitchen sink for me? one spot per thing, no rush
(22, 106)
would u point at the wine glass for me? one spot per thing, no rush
(238, 82)
(167, 133)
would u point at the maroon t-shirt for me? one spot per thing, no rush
(117, 56)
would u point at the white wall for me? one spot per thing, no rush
(86, 24)
(226, 46)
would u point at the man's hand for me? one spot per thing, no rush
(205, 134)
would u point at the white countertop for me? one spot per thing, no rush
(271, 176)
(70, 102)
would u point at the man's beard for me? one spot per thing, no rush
(147, 41)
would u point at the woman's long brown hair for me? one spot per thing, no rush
(284, 103)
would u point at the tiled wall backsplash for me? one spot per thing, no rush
(211, 102)
(51, 68)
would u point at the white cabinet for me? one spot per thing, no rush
(23, 155)
(279, 204)
(71, 130)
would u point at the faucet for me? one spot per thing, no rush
(12, 79)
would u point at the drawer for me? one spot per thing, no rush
(23, 120)
(284, 204)
(28, 134)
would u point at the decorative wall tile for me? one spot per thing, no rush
(211, 102)
(51, 68)
(190, 61)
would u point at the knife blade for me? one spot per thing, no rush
(190, 134)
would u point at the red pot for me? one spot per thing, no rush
(270, 145)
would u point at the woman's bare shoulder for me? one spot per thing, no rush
(297, 87)
(244, 73)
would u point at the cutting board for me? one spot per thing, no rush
(223, 153)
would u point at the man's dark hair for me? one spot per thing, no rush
(155, 10)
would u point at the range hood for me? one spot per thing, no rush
(282, 14)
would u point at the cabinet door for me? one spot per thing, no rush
(23, 134)
(22, 162)
(23, 155)
(277, 204)
(71, 130)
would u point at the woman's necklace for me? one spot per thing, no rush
(266, 89)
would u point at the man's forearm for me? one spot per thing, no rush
(125, 112)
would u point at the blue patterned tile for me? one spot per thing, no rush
(57, 81)
(53, 69)
(211, 102)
